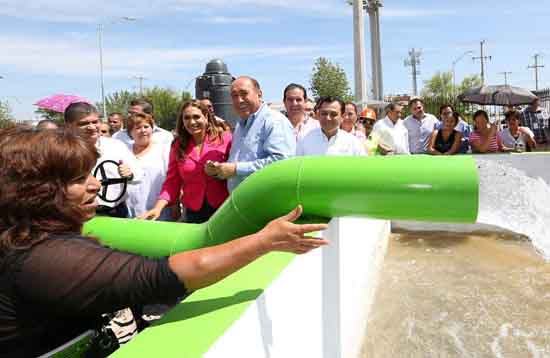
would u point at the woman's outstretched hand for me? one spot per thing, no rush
(282, 234)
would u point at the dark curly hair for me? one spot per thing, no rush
(36, 168)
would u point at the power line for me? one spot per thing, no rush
(414, 61)
(140, 79)
(536, 67)
(505, 76)
(482, 59)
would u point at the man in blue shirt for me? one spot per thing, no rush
(261, 137)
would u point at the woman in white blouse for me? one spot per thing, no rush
(516, 138)
(153, 158)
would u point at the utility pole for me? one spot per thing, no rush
(373, 7)
(100, 28)
(536, 67)
(482, 59)
(414, 61)
(505, 76)
(140, 79)
(359, 53)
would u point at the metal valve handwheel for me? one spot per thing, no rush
(106, 182)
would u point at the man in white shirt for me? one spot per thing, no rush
(84, 118)
(294, 98)
(116, 122)
(142, 106)
(329, 139)
(392, 134)
(420, 127)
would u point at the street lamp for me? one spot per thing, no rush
(99, 37)
(454, 65)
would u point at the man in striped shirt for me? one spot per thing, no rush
(537, 119)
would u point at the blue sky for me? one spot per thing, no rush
(50, 46)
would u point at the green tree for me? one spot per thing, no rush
(165, 102)
(51, 115)
(469, 82)
(117, 102)
(329, 79)
(6, 118)
(441, 85)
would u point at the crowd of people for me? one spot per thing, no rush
(183, 175)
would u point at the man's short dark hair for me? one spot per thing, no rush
(76, 111)
(145, 104)
(115, 114)
(294, 86)
(442, 107)
(392, 106)
(330, 99)
(414, 100)
(351, 104)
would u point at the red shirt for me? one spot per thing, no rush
(187, 173)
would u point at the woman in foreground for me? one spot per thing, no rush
(55, 283)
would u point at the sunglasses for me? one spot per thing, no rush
(366, 121)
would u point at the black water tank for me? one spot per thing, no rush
(215, 84)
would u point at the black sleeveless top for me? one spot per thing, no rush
(59, 288)
(441, 145)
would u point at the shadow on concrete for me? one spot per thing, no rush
(187, 310)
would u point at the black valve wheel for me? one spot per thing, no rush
(101, 175)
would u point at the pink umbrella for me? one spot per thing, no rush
(59, 102)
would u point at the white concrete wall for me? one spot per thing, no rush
(319, 304)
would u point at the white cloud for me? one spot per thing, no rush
(67, 58)
(94, 11)
(237, 20)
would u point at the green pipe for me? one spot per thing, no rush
(422, 188)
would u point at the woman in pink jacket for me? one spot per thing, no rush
(198, 140)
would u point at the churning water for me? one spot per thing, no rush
(511, 200)
(449, 295)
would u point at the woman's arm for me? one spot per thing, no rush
(529, 137)
(203, 267)
(431, 147)
(456, 144)
(500, 145)
(482, 144)
(154, 213)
